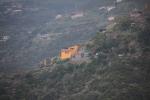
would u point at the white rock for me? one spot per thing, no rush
(59, 16)
(19, 10)
(110, 8)
(111, 18)
(120, 55)
(118, 1)
(102, 8)
(4, 38)
(77, 15)
(48, 36)
(97, 54)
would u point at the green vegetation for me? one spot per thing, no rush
(120, 71)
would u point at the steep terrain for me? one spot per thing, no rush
(119, 69)
(36, 29)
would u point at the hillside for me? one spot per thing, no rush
(118, 71)
(37, 29)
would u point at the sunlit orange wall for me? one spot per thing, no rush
(68, 53)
